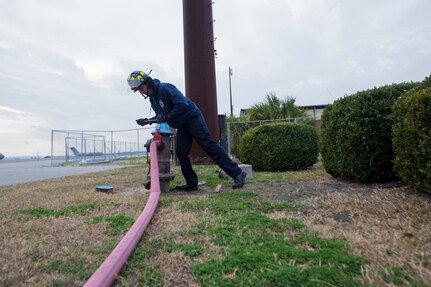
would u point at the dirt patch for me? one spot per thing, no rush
(132, 191)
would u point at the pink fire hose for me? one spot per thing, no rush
(105, 275)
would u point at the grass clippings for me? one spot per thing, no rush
(299, 228)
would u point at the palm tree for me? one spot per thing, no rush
(271, 108)
(274, 108)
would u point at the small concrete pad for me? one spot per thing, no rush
(247, 168)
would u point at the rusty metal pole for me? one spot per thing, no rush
(199, 64)
(230, 91)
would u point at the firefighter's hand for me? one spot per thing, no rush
(143, 122)
(162, 119)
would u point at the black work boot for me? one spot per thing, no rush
(186, 187)
(147, 185)
(239, 181)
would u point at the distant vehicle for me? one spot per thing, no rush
(1, 156)
(77, 153)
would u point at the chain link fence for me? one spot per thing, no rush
(96, 146)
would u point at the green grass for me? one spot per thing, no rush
(209, 173)
(253, 249)
(140, 266)
(38, 212)
(238, 238)
(190, 250)
(400, 277)
(118, 224)
(260, 251)
(237, 202)
(221, 203)
(264, 252)
(72, 267)
(315, 172)
(151, 275)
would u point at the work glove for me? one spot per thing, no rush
(162, 119)
(143, 122)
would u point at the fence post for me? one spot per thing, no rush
(104, 148)
(228, 139)
(112, 144)
(82, 145)
(94, 147)
(65, 148)
(52, 147)
(137, 139)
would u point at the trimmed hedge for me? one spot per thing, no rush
(412, 136)
(279, 147)
(356, 141)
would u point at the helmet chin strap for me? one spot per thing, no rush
(150, 91)
(144, 95)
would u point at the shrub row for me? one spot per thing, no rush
(412, 136)
(371, 136)
(279, 147)
(356, 141)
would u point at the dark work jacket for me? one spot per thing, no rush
(166, 99)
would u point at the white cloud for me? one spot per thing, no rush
(63, 65)
(10, 110)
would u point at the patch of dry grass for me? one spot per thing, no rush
(30, 247)
(314, 173)
(391, 227)
(171, 220)
(173, 223)
(176, 268)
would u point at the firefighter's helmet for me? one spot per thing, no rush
(137, 78)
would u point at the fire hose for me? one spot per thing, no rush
(107, 272)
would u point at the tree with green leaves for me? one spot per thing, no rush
(271, 108)
(274, 108)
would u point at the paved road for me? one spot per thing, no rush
(13, 172)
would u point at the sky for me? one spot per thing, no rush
(64, 64)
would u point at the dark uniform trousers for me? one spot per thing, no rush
(196, 128)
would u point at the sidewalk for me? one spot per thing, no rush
(14, 172)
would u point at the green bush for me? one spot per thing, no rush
(356, 141)
(279, 147)
(412, 136)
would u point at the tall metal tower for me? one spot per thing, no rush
(199, 64)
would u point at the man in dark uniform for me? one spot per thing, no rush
(171, 106)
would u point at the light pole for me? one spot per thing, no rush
(230, 91)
